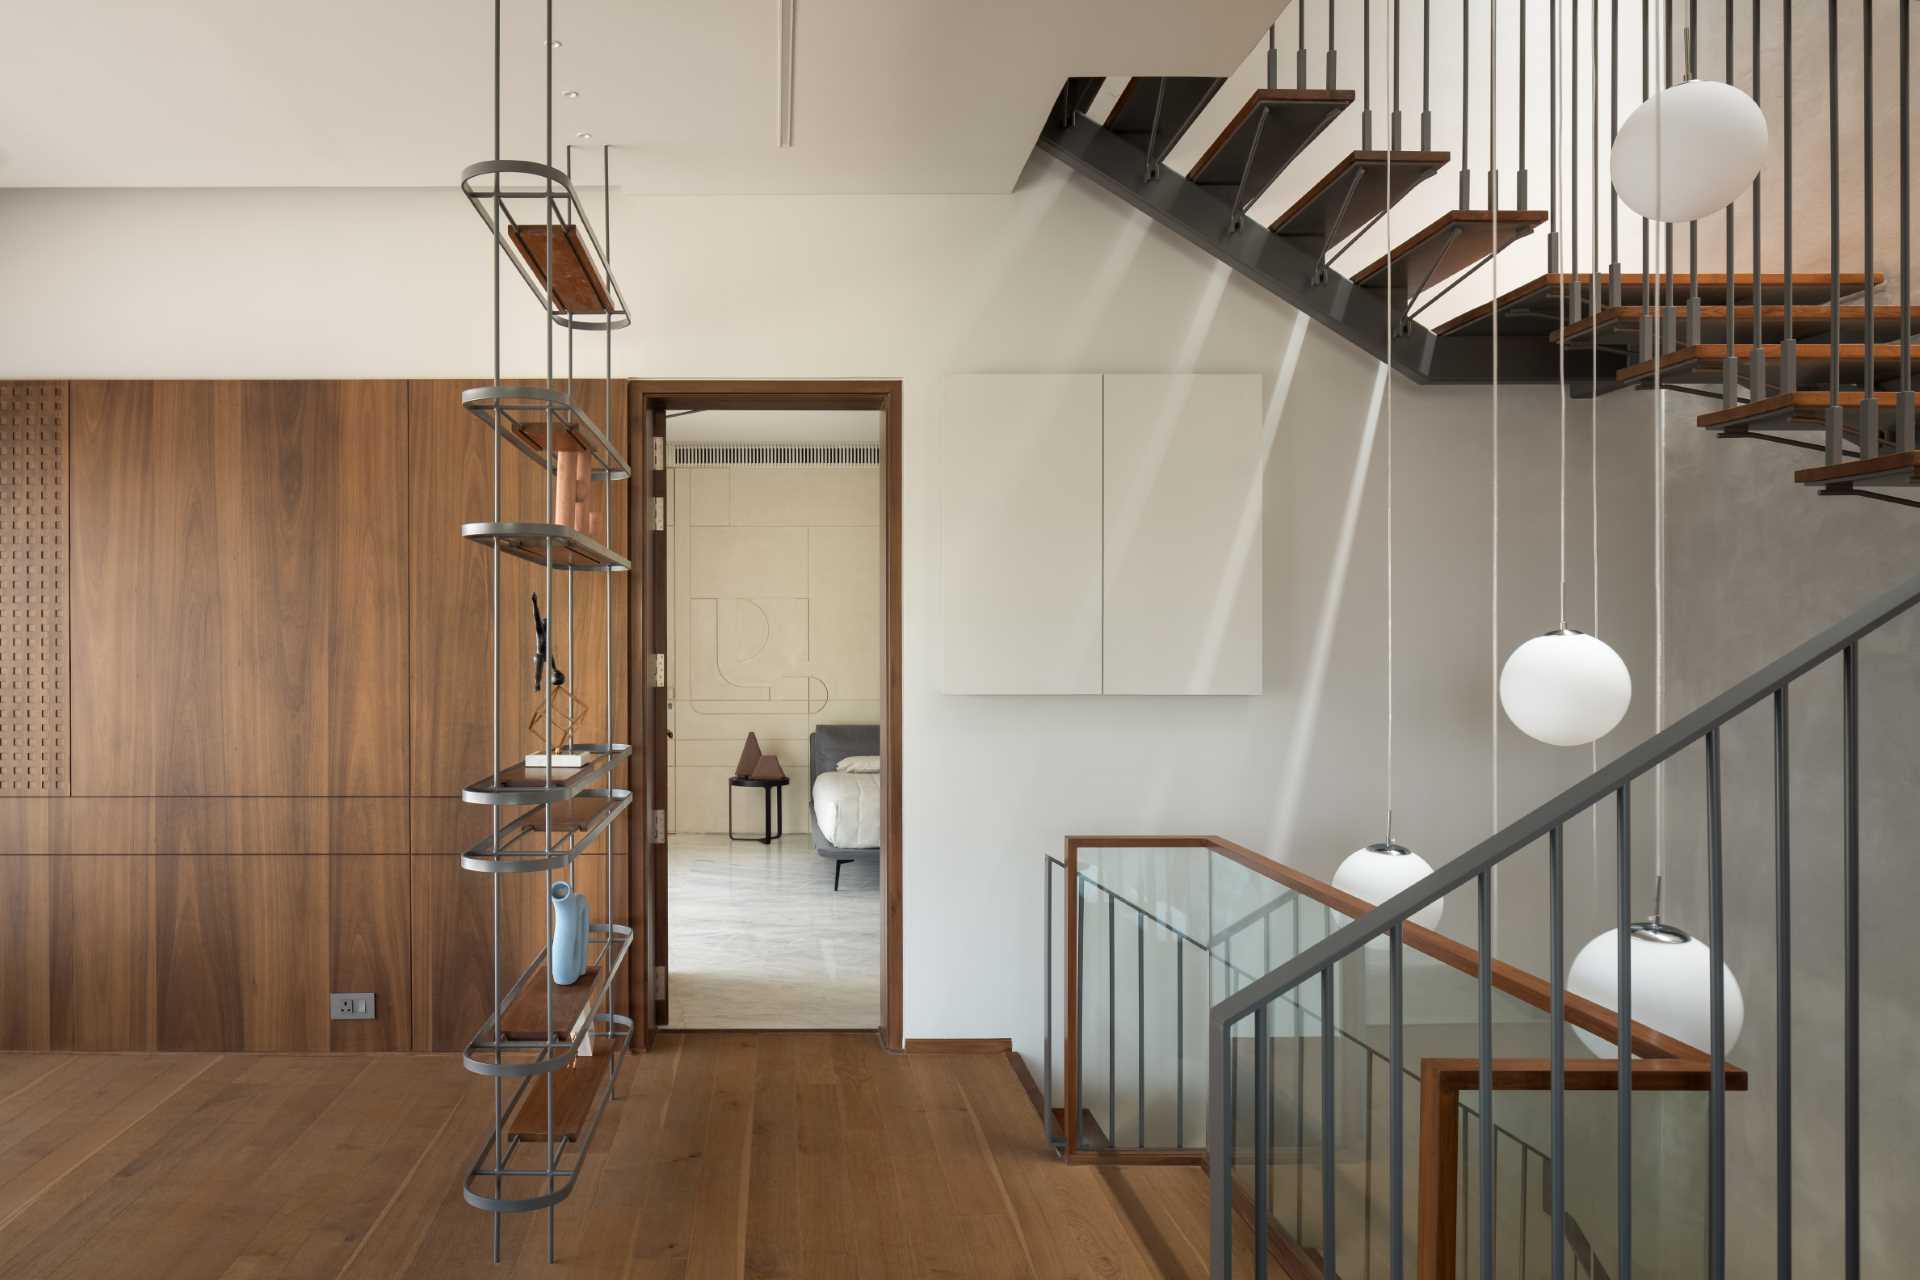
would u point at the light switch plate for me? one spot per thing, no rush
(352, 1006)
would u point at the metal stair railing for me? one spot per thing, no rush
(1315, 966)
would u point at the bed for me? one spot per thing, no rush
(843, 808)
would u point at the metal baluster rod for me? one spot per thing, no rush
(1869, 403)
(1613, 130)
(1850, 932)
(1716, 1022)
(1179, 1043)
(1520, 178)
(1557, 1085)
(1783, 994)
(1046, 1040)
(1575, 293)
(1333, 53)
(1485, 1026)
(1300, 57)
(1623, 1048)
(1466, 103)
(1835, 426)
(1693, 228)
(1329, 1225)
(1366, 75)
(1789, 344)
(1903, 420)
(1729, 368)
(1757, 375)
(1262, 1140)
(1426, 75)
(1396, 1189)
(1220, 1140)
(1140, 1023)
(1113, 1018)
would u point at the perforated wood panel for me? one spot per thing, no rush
(33, 588)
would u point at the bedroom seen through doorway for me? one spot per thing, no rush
(775, 675)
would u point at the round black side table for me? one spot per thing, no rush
(773, 793)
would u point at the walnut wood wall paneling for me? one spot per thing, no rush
(261, 825)
(452, 482)
(240, 627)
(33, 589)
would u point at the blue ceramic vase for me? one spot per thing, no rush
(569, 950)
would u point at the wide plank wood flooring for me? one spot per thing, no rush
(727, 1154)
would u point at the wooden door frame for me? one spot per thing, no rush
(648, 401)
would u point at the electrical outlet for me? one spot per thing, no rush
(350, 1006)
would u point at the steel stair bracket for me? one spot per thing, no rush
(1286, 267)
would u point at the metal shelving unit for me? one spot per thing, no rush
(553, 1052)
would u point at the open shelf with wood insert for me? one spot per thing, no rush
(523, 845)
(542, 222)
(573, 551)
(521, 783)
(523, 414)
(521, 1047)
(577, 1090)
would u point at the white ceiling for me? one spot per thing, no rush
(891, 96)
(775, 426)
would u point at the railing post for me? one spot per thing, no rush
(1220, 1120)
(1783, 994)
(1076, 956)
(1484, 883)
(1623, 960)
(1262, 1140)
(1396, 1190)
(1850, 931)
(1046, 1041)
(1329, 1225)
(1557, 1020)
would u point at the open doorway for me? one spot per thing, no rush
(769, 705)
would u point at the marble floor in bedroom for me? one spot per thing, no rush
(757, 937)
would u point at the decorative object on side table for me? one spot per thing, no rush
(569, 944)
(764, 772)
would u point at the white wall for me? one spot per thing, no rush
(1055, 276)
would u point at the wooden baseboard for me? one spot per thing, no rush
(983, 1045)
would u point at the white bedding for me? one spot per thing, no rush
(847, 807)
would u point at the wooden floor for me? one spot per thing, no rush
(727, 1154)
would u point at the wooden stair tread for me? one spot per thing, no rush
(1433, 255)
(1185, 97)
(1292, 119)
(1539, 297)
(1814, 357)
(1808, 407)
(1318, 212)
(576, 1090)
(1808, 321)
(526, 1017)
(1888, 468)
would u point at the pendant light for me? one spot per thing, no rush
(1382, 869)
(1565, 688)
(1672, 970)
(1672, 983)
(1689, 151)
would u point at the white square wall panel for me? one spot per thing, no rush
(1185, 462)
(1019, 478)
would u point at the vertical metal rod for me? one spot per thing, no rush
(1273, 59)
(1717, 1023)
(1426, 75)
(1366, 75)
(1575, 290)
(1396, 1104)
(1140, 1022)
(1113, 1020)
(1366, 1197)
(1834, 424)
(1782, 994)
(1623, 962)
(1077, 1015)
(1329, 1226)
(1485, 1025)
(494, 645)
(1648, 285)
(1593, 159)
(1693, 227)
(1789, 344)
(1553, 150)
(1262, 1141)
(1520, 178)
(1300, 58)
(1466, 103)
(1300, 1085)
(1220, 1122)
(1729, 368)
(1557, 1022)
(1850, 932)
(1757, 378)
(1179, 1042)
(1393, 125)
(1333, 55)
(1903, 414)
(1046, 1041)
(1869, 403)
(546, 719)
(1613, 130)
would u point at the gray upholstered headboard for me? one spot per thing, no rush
(827, 746)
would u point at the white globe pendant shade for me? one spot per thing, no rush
(1379, 871)
(1565, 688)
(1689, 150)
(1671, 986)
